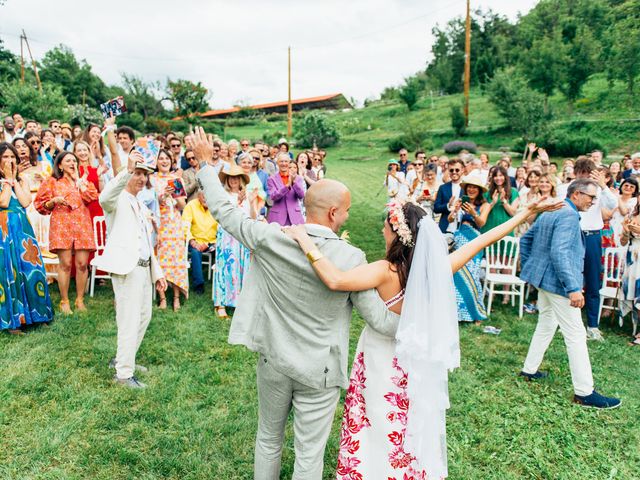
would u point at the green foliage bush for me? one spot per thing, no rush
(524, 109)
(83, 115)
(271, 137)
(410, 92)
(31, 103)
(157, 125)
(314, 128)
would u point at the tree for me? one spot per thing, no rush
(31, 103)
(458, 121)
(543, 64)
(188, 97)
(409, 92)
(314, 128)
(621, 44)
(140, 97)
(581, 62)
(522, 107)
(76, 80)
(9, 65)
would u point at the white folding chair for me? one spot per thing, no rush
(100, 239)
(42, 237)
(614, 262)
(503, 256)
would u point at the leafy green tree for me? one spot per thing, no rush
(581, 62)
(543, 64)
(458, 122)
(188, 97)
(410, 92)
(142, 97)
(314, 128)
(622, 44)
(75, 78)
(31, 103)
(9, 65)
(522, 107)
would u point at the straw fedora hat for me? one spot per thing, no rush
(233, 170)
(473, 180)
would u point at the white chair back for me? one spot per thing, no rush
(614, 261)
(503, 255)
(99, 234)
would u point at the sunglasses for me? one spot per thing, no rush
(454, 170)
(190, 158)
(176, 145)
(418, 164)
(256, 159)
(244, 144)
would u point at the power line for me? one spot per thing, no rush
(383, 30)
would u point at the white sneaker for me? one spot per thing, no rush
(594, 334)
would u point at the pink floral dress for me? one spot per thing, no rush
(375, 414)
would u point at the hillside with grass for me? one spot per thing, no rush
(605, 113)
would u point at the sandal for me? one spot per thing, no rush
(176, 304)
(635, 342)
(16, 331)
(65, 308)
(163, 304)
(221, 313)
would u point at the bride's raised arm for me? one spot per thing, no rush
(465, 253)
(362, 277)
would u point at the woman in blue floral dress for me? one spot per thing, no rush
(24, 296)
(232, 258)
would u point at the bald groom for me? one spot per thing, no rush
(302, 340)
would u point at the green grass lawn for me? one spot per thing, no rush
(62, 418)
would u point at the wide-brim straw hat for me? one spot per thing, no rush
(475, 181)
(233, 170)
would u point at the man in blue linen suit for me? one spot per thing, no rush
(552, 254)
(448, 193)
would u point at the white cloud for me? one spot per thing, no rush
(239, 49)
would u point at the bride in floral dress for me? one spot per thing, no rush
(394, 423)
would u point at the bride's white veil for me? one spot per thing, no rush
(428, 348)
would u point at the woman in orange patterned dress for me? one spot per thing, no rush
(171, 234)
(65, 197)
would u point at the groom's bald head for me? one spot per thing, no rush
(327, 203)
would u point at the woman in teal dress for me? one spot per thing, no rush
(470, 217)
(232, 257)
(24, 295)
(504, 202)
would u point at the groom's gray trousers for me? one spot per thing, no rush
(313, 412)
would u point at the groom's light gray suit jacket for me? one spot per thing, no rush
(284, 311)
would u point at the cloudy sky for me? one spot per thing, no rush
(238, 49)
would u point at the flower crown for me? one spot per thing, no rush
(399, 223)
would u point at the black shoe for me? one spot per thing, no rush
(595, 400)
(199, 289)
(531, 377)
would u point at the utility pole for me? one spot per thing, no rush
(467, 64)
(289, 109)
(21, 59)
(33, 62)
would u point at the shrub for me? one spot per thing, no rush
(458, 122)
(83, 115)
(314, 128)
(397, 143)
(409, 92)
(458, 145)
(271, 138)
(31, 103)
(573, 145)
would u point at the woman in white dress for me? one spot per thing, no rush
(394, 419)
(395, 181)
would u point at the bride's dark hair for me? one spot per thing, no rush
(399, 255)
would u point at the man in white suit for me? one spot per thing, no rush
(302, 339)
(129, 257)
